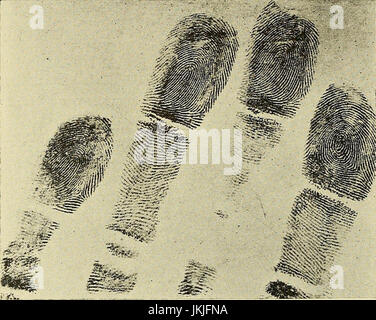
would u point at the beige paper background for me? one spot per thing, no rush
(96, 57)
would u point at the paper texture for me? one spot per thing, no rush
(97, 58)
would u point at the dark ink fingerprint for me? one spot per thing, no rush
(192, 69)
(281, 62)
(282, 290)
(317, 228)
(108, 279)
(145, 180)
(340, 152)
(20, 259)
(259, 136)
(74, 163)
(120, 251)
(197, 279)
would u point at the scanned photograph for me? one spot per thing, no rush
(182, 150)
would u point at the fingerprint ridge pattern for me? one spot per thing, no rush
(317, 228)
(120, 251)
(74, 163)
(281, 62)
(104, 278)
(144, 186)
(192, 70)
(340, 153)
(260, 135)
(197, 279)
(21, 259)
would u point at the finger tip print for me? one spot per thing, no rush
(74, 163)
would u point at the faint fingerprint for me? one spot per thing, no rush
(340, 153)
(260, 135)
(21, 257)
(120, 251)
(197, 279)
(107, 279)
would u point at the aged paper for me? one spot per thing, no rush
(84, 83)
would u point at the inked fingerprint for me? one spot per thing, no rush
(260, 135)
(340, 153)
(74, 163)
(20, 260)
(146, 178)
(281, 62)
(317, 228)
(197, 279)
(106, 278)
(282, 290)
(120, 251)
(192, 70)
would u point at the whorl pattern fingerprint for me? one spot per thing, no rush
(192, 70)
(21, 257)
(340, 152)
(74, 163)
(120, 251)
(317, 227)
(107, 279)
(197, 279)
(145, 184)
(281, 62)
(282, 290)
(260, 135)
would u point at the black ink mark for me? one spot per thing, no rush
(197, 279)
(283, 290)
(74, 163)
(340, 153)
(281, 62)
(8, 296)
(120, 251)
(192, 70)
(20, 259)
(221, 214)
(108, 279)
(145, 181)
(316, 229)
(261, 205)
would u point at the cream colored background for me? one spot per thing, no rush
(96, 57)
